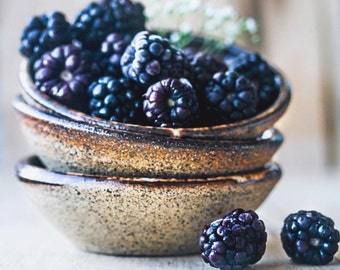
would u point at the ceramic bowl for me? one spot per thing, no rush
(140, 216)
(248, 128)
(67, 145)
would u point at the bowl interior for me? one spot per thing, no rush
(248, 128)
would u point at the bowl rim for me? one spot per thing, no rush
(273, 113)
(21, 106)
(30, 170)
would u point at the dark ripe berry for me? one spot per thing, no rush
(99, 19)
(92, 25)
(111, 51)
(129, 15)
(150, 58)
(171, 103)
(204, 66)
(64, 74)
(308, 237)
(229, 97)
(257, 69)
(116, 99)
(43, 33)
(235, 241)
(231, 52)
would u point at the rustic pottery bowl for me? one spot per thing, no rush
(140, 216)
(67, 145)
(249, 128)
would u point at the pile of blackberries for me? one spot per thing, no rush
(159, 83)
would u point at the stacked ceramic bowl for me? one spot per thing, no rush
(127, 189)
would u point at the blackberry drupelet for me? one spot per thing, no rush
(99, 19)
(43, 33)
(308, 237)
(64, 74)
(150, 58)
(111, 51)
(266, 78)
(116, 99)
(230, 97)
(171, 103)
(235, 241)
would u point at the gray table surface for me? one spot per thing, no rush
(29, 241)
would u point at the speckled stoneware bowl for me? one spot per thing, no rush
(248, 128)
(67, 145)
(140, 216)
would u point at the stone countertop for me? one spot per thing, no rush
(29, 241)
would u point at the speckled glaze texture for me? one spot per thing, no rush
(68, 146)
(140, 216)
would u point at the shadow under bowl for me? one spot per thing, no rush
(245, 129)
(66, 145)
(140, 216)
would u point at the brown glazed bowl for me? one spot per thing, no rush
(140, 216)
(246, 129)
(67, 145)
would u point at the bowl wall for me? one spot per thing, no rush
(140, 216)
(68, 146)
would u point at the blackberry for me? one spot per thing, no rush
(99, 19)
(266, 78)
(203, 66)
(43, 33)
(231, 52)
(129, 16)
(116, 99)
(171, 103)
(235, 241)
(308, 237)
(230, 97)
(150, 58)
(111, 51)
(64, 74)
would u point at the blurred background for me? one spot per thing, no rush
(301, 38)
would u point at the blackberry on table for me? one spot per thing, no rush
(116, 99)
(308, 237)
(111, 51)
(257, 69)
(43, 33)
(99, 19)
(150, 58)
(171, 103)
(64, 74)
(230, 97)
(235, 241)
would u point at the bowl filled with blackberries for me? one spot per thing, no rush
(123, 121)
